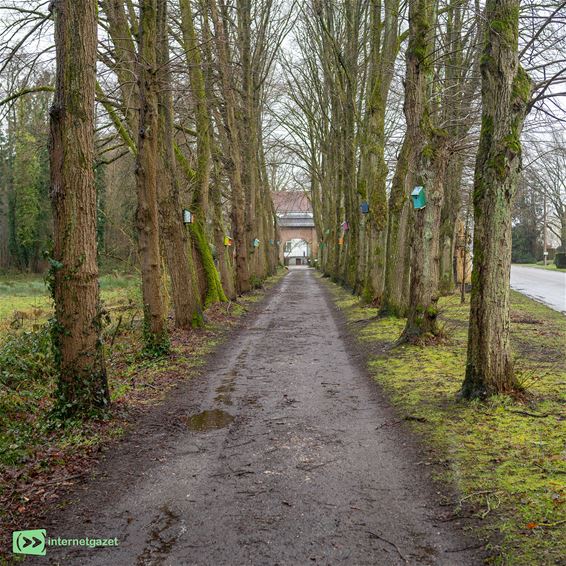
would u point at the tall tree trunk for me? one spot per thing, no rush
(147, 214)
(82, 386)
(5, 256)
(173, 232)
(562, 219)
(350, 275)
(269, 218)
(384, 49)
(235, 165)
(506, 91)
(214, 291)
(450, 209)
(249, 136)
(425, 253)
(429, 171)
(224, 253)
(397, 262)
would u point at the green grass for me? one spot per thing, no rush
(24, 299)
(506, 457)
(27, 374)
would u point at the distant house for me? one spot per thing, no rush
(295, 222)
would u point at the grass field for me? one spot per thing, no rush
(506, 456)
(24, 299)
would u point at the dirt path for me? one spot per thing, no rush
(300, 471)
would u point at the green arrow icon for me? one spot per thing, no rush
(29, 542)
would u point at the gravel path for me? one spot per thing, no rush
(282, 453)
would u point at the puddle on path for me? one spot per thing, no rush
(209, 420)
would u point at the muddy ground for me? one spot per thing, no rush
(283, 452)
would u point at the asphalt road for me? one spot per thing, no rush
(548, 287)
(299, 460)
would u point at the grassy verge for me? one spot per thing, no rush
(38, 456)
(506, 457)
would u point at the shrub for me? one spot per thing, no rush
(560, 260)
(26, 357)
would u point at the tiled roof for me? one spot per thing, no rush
(290, 201)
(305, 221)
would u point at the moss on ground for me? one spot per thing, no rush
(506, 456)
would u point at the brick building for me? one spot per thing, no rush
(295, 222)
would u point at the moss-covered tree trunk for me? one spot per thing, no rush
(147, 161)
(213, 287)
(338, 146)
(271, 251)
(224, 254)
(82, 386)
(223, 251)
(429, 170)
(173, 232)
(249, 137)
(349, 67)
(384, 48)
(5, 194)
(332, 197)
(422, 319)
(506, 91)
(234, 165)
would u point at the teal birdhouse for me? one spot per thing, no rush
(256, 243)
(364, 207)
(419, 198)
